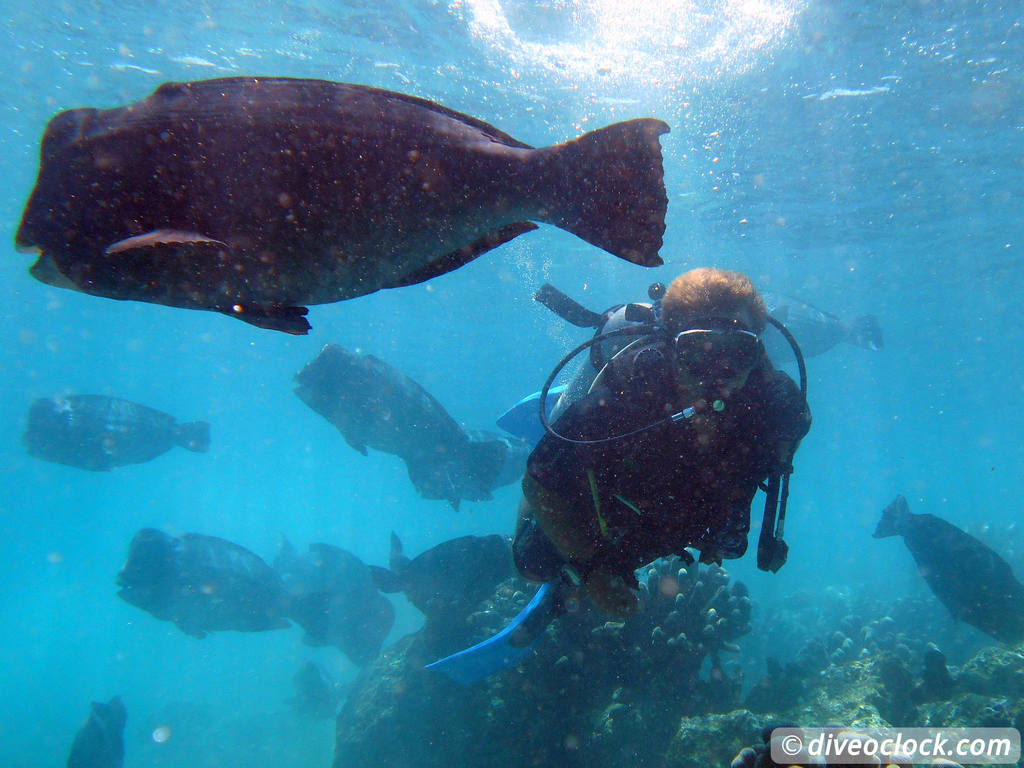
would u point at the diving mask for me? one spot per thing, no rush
(716, 354)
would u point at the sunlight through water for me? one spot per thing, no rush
(659, 42)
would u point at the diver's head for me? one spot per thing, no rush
(715, 319)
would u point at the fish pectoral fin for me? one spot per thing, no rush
(275, 317)
(462, 256)
(164, 237)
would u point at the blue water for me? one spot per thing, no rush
(865, 157)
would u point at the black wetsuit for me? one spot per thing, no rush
(677, 484)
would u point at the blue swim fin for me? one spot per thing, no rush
(523, 418)
(508, 647)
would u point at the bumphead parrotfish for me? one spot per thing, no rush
(98, 433)
(448, 580)
(99, 743)
(374, 405)
(255, 196)
(815, 330)
(973, 582)
(333, 598)
(202, 583)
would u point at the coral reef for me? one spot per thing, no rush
(653, 690)
(594, 692)
(831, 634)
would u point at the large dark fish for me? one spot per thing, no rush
(815, 330)
(99, 743)
(202, 583)
(254, 196)
(332, 597)
(449, 580)
(374, 405)
(973, 582)
(99, 433)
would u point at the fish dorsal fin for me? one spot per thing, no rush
(462, 256)
(233, 89)
(160, 237)
(485, 128)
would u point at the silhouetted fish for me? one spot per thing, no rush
(202, 583)
(253, 196)
(815, 330)
(332, 597)
(374, 405)
(449, 580)
(973, 582)
(99, 743)
(316, 692)
(98, 433)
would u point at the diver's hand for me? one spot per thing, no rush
(611, 594)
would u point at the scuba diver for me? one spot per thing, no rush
(681, 423)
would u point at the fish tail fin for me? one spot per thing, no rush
(865, 332)
(385, 580)
(396, 560)
(195, 436)
(486, 458)
(607, 187)
(893, 517)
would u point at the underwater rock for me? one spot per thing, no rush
(780, 683)
(711, 739)
(936, 681)
(994, 671)
(895, 701)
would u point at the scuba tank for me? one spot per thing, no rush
(610, 336)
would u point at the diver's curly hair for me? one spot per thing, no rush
(704, 292)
